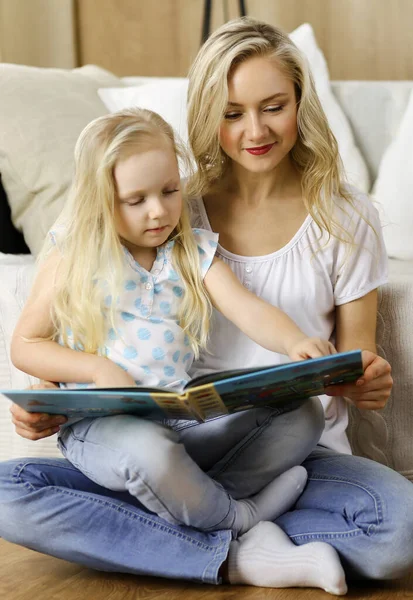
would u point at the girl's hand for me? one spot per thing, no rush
(372, 390)
(36, 426)
(311, 348)
(110, 374)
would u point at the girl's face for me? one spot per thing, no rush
(149, 199)
(260, 123)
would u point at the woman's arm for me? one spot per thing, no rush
(265, 324)
(33, 353)
(356, 328)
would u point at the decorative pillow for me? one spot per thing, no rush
(393, 189)
(42, 113)
(168, 98)
(354, 164)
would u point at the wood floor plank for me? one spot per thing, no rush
(25, 574)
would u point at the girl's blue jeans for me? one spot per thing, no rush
(360, 507)
(191, 474)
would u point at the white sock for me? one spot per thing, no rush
(272, 501)
(266, 557)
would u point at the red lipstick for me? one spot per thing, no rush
(260, 149)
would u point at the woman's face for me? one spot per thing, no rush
(260, 123)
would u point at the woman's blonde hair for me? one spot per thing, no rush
(92, 266)
(315, 153)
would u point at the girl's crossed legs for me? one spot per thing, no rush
(160, 467)
(248, 457)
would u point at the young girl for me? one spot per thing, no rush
(124, 298)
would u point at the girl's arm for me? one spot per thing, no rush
(356, 328)
(265, 324)
(46, 359)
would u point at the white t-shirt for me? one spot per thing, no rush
(307, 281)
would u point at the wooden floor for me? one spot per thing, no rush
(27, 575)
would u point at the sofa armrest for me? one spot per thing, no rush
(386, 435)
(16, 273)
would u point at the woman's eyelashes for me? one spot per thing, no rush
(274, 109)
(233, 115)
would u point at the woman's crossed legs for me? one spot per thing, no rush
(364, 510)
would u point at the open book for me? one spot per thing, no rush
(204, 397)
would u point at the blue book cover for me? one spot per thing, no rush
(205, 397)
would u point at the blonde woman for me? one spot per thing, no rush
(123, 298)
(269, 183)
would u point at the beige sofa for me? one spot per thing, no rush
(374, 109)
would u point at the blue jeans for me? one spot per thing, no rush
(184, 472)
(360, 507)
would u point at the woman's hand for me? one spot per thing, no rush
(311, 348)
(36, 426)
(372, 390)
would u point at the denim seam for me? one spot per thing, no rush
(210, 573)
(247, 443)
(326, 535)
(19, 468)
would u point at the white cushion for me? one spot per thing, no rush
(394, 189)
(374, 110)
(42, 112)
(168, 98)
(16, 274)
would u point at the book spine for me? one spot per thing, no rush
(206, 401)
(173, 406)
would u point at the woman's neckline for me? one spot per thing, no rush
(262, 257)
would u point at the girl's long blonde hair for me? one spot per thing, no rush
(315, 153)
(92, 265)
